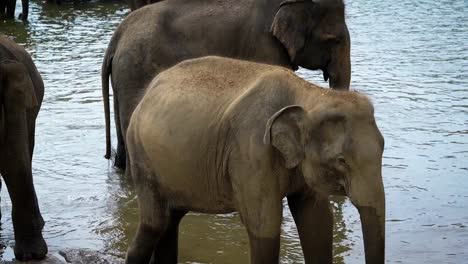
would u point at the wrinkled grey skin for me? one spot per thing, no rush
(217, 135)
(21, 93)
(289, 33)
(7, 9)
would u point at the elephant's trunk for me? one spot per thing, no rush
(339, 68)
(369, 198)
(373, 229)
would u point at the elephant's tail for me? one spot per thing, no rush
(105, 73)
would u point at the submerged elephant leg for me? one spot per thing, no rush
(166, 250)
(25, 6)
(153, 223)
(10, 9)
(264, 249)
(0, 192)
(314, 221)
(120, 156)
(261, 214)
(154, 220)
(142, 246)
(16, 171)
(2, 8)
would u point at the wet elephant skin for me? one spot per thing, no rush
(239, 137)
(21, 90)
(292, 33)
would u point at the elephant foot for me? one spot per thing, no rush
(120, 161)
(30, 248)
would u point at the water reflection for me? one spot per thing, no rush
(411, 57)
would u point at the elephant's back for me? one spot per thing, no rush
(197, 99)
(211, 81)
(201, 88)
(159, 36)
(216, 77)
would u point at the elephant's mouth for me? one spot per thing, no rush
(335, 184)
(340, 190)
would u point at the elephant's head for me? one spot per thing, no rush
(338, 149)
(315, 36)
(16, 87)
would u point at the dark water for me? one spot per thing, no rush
(410, 57)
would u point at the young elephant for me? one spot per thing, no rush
(218, 135)
(21, 93)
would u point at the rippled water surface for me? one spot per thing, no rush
(410, 57)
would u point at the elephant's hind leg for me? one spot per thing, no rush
(10, 9)
(261, 214)
(121, 155)
(166, 250)
(27, 219)
(2, 8)
(153, 223)
(154, 220)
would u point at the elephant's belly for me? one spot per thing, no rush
(187, 184)
(195, 193)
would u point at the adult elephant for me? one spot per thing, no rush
(291, 33)
(21, 93)
(7, 9)
(218, 135)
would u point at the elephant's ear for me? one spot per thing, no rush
(290, 26)
(284, 131)
(18, 88)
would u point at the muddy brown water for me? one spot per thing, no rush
(410, 57)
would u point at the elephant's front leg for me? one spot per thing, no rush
(262, 219)
(314, 221)
(16, 171)
(261, 209)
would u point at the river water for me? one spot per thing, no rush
(410, 57)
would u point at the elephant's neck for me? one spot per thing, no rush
(256, 33)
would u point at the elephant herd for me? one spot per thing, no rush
(211, 118)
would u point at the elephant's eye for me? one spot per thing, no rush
(342, 161)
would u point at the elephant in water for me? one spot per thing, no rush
(218, 135)
(290, 33)
(21, 93)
